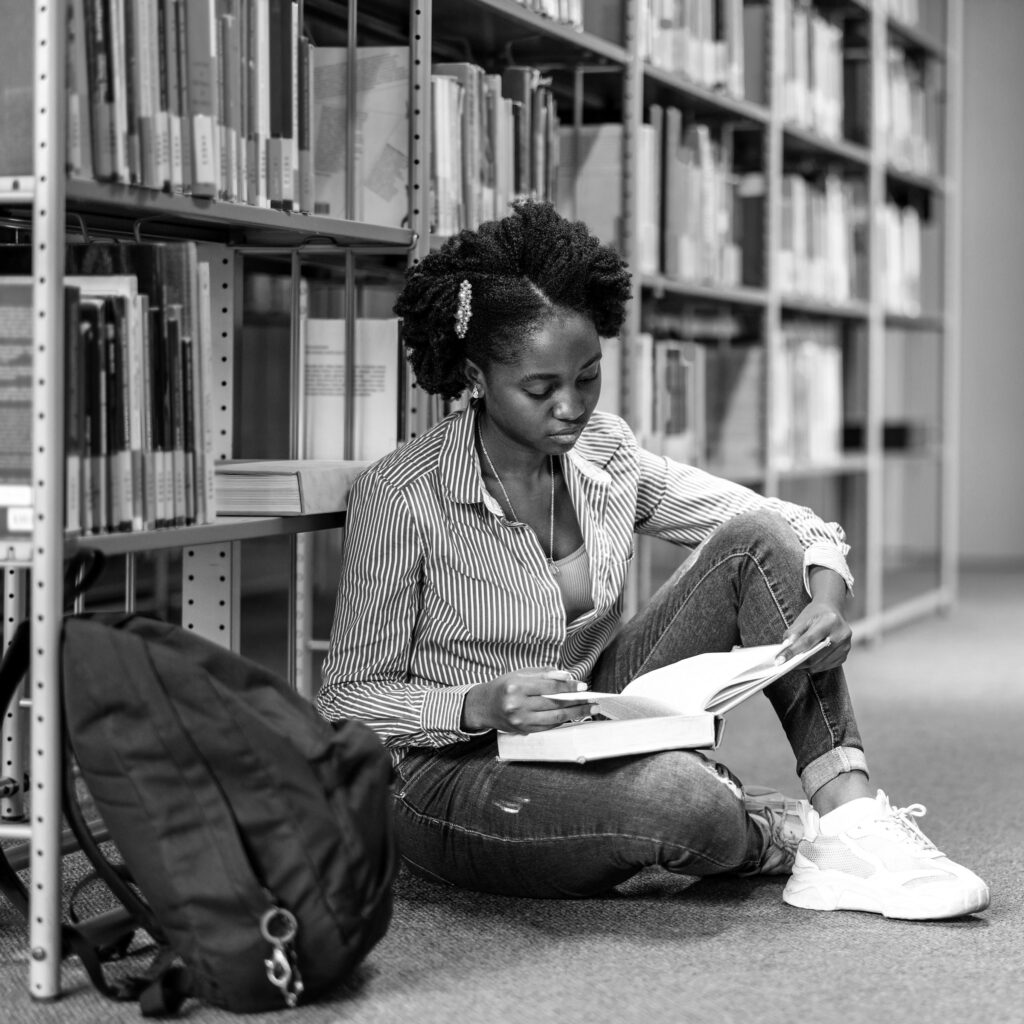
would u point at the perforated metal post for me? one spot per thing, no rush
(210, 572)
(47, 480)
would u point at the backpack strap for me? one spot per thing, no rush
(162, 988)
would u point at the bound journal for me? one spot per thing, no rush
(675, 707)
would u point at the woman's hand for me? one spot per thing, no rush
(515, 702)
(822, 618)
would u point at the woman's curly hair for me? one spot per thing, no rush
(521, 269)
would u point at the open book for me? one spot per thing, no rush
(678, 706)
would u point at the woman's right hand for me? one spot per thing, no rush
(516, 703)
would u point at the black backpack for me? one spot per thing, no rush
(257, 844)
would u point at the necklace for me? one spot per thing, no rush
(552, 566)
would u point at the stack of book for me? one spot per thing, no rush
(139, 383)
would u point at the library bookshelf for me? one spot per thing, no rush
(761, 195)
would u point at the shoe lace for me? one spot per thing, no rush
(904, 820)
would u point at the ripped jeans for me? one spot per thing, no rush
(570, 830)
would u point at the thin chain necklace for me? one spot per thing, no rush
(508, 501)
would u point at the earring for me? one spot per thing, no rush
(475, 393)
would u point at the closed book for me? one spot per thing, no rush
(675, 707)
(284, 487)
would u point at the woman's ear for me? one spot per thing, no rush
(474, 379)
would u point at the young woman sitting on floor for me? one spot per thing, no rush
(484, 567)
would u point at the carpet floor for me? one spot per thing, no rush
(941, 706)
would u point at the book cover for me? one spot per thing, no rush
(374, 388)
(16, 518)
(678, 706)
(284, 487)
(16, 80)
(379, 162)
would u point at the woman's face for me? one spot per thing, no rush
(544, 399)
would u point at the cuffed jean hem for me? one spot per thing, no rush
(830, 766)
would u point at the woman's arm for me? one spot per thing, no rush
(366, 674)
(684, 504)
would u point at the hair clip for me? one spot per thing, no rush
(464, 310)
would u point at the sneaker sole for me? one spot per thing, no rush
(834, 890)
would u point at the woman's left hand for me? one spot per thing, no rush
(823, 618)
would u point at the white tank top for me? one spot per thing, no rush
(573, 579)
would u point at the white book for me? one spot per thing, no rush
(678, 706)
(374, 390)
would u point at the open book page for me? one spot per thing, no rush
(712, 683)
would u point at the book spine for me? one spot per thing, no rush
(119, 79)
(137, 121)
(305, 176)
(119, 472)
(184, 103)
(172, 92)
(101, 97)
(261, 89)
(135, 408)
(79, 127)
(176, 417)
(201, 28)
(160, 99)
(74, 413)
(281, 170)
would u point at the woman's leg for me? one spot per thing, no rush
(744, 585)
(542, 830)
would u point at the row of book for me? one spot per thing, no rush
(702, 40)
(565, 12)
(494, 137)
(138, 438)
(694, 210)
(231, 99)
(902, 258)
(701, 399)
(701, 393)
(823, 237)
(909, 113)
(813, 69)
(807, 396)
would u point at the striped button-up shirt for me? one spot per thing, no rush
(440, 592)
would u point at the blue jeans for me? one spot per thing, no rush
(563, 830)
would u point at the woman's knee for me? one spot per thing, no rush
(760, 528)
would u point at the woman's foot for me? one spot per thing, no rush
(876, 859)
(782, 820)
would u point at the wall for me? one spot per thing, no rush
(992, 395)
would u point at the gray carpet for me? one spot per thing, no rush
(941, 704)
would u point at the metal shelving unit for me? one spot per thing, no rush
(210, 553)
(495, 29)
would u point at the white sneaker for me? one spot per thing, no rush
(885, 865)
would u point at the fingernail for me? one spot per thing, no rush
(581, 686)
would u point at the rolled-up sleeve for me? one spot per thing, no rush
(366, 674)
(684, 504)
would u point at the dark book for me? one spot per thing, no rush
(74, 412)
(95, 505)
(281, 169)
